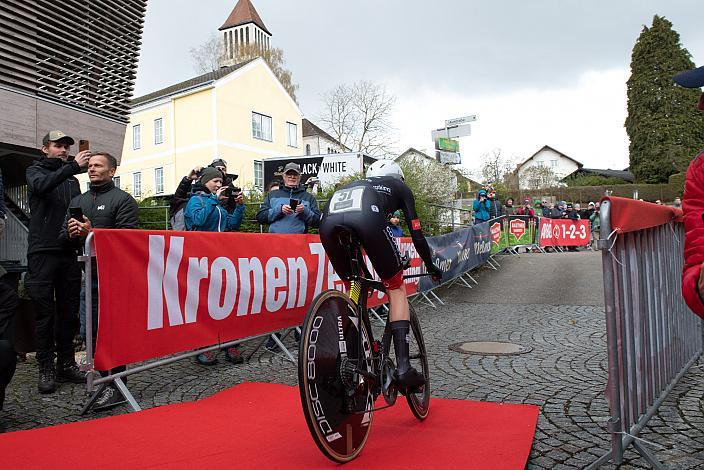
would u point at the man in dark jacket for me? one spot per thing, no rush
(289, 209)
(103, 206)
(53, 272)
(495, 207)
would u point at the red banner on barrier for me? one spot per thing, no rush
(165, 292)
(564, 232)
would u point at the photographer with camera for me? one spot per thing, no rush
(205, 213)
(480, 206)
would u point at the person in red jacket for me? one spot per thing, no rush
(693, 207)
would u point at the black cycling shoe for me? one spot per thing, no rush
(411, 381)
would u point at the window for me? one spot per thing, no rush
(137, 183)
(553, 163)
(261, 127)
(158, 180)
(291, 134)
(258, 174)
(136, 137)
(307, 149)
(116, 180)
(158, 131)
(539, 163)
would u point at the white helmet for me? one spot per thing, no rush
(385, 168)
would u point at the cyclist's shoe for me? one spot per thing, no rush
(208, 358)
(234, 355)
(411, 381)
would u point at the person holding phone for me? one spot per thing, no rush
(102, 206)
(290, 208)
(53, 273)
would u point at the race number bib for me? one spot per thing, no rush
(347, 200)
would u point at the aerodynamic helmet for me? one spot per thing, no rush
(385, 168)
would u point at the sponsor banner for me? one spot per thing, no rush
(329, 169)
(563, 232)
(163, 292)
(458, 252)
(498, 232)
(521, 230)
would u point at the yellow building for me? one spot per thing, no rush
(239, 113)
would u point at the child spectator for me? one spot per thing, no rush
(394, 224)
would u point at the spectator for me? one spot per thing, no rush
(559, 210)
(595, 227)
(677, 204)
(183, 192)
(8, 308)
(693, 207)
(230, 193)
(53, 273)
(495, 207)
(480, 207)
(273, 186)
(394, 224)
(103, 206)
(658, 202)
(289, 209)
(546, 209)
(508, 209)
(587, 213)
(570, 214)
(205, 213)
(526, 209)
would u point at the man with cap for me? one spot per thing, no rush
(693, 207)
(53, 273)
(289, 209)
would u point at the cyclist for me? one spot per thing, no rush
(362, 207)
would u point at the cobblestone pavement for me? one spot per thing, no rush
(550, 302)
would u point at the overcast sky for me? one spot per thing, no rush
(540, 72)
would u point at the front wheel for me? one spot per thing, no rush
(337, 401)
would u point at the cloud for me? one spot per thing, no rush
(584, 120)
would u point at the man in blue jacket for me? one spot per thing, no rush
(289, 209)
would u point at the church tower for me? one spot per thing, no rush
(244, 26)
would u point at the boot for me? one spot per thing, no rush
(47, 377)
(69, 372)
(407, 377)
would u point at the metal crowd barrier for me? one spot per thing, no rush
(652, 337)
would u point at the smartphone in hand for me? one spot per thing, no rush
(293, 203)
(76, 213)
(83, 145)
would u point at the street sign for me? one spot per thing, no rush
(460, 120)
(449, 145)
(452, 158)
(452, 132)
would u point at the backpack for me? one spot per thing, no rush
(177, 220)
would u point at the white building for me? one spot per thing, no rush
(560, 164)
(318, 142)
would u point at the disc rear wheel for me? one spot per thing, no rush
(337, 401)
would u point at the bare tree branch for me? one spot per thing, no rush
(359, 117)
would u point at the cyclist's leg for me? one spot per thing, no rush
(330, 228)
(383, 252)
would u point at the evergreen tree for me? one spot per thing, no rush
(665, 128)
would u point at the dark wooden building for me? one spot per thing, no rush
(68, 65)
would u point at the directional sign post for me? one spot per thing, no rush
(445, 151)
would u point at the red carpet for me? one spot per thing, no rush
(257, 425)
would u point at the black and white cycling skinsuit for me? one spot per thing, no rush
(362, 207)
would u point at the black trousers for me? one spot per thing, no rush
(54, 284)
(8, 309)
(8, 361)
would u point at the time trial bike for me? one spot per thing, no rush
(342, 369)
